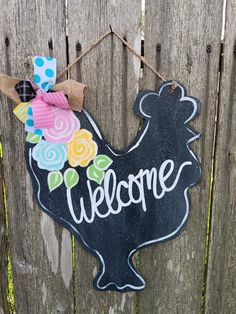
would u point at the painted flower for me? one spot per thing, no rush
(82, 149)
(50, 156)
(66, 123)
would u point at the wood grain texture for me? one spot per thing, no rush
(4, 309)
(221, 281)
(112, 76)
(40, 250)
(177, 34)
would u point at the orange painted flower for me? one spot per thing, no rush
(81, 149)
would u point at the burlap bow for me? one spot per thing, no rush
(72, 89)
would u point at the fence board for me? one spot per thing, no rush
(176, 37)
(112, 76)
(40, 251)
(221, 283)
(4, 309)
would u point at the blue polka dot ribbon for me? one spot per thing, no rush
(44, 72)
(45, 79)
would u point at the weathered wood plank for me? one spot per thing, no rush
(221, 281)
(4, 309)
(40, 250)
(112, 76)
(176, 37)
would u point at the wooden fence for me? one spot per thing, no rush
(193, 273)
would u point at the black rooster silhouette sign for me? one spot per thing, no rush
(117, 202)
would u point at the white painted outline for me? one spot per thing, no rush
(172, 234)
(139, 138)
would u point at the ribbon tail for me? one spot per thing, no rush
(74, 91)
(7, 86)
(43, 115)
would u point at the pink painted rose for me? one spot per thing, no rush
(66, 123)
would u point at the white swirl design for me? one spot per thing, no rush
(50, 156)
(66, 123)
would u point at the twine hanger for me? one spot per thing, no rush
(99, 40)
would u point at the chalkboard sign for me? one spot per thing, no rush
(117, 202)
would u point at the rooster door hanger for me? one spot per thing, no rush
(114, 202)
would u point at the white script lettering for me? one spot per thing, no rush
(110, 194)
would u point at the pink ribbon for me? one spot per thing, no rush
(43, 106)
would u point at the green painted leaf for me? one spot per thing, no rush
(71, 178)
(102, 162)
(95, 175)
(33, 138)
(55, 179)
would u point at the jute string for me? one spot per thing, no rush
(74, 90)
(97, 42)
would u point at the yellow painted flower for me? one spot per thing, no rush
(81, 149)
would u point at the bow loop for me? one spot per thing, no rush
(43, 113)
(25, 91)
(57, 99)
(43, 108)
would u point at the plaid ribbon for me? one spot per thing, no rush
(25, 91)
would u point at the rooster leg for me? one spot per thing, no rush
(119, 275)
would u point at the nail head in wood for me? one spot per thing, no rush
(78, 46)
(158, 47)
(50, 45)
(7, 41)
(208, 49)
(235, 49)
(125, 40)
(111, 28)
(27, 65)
